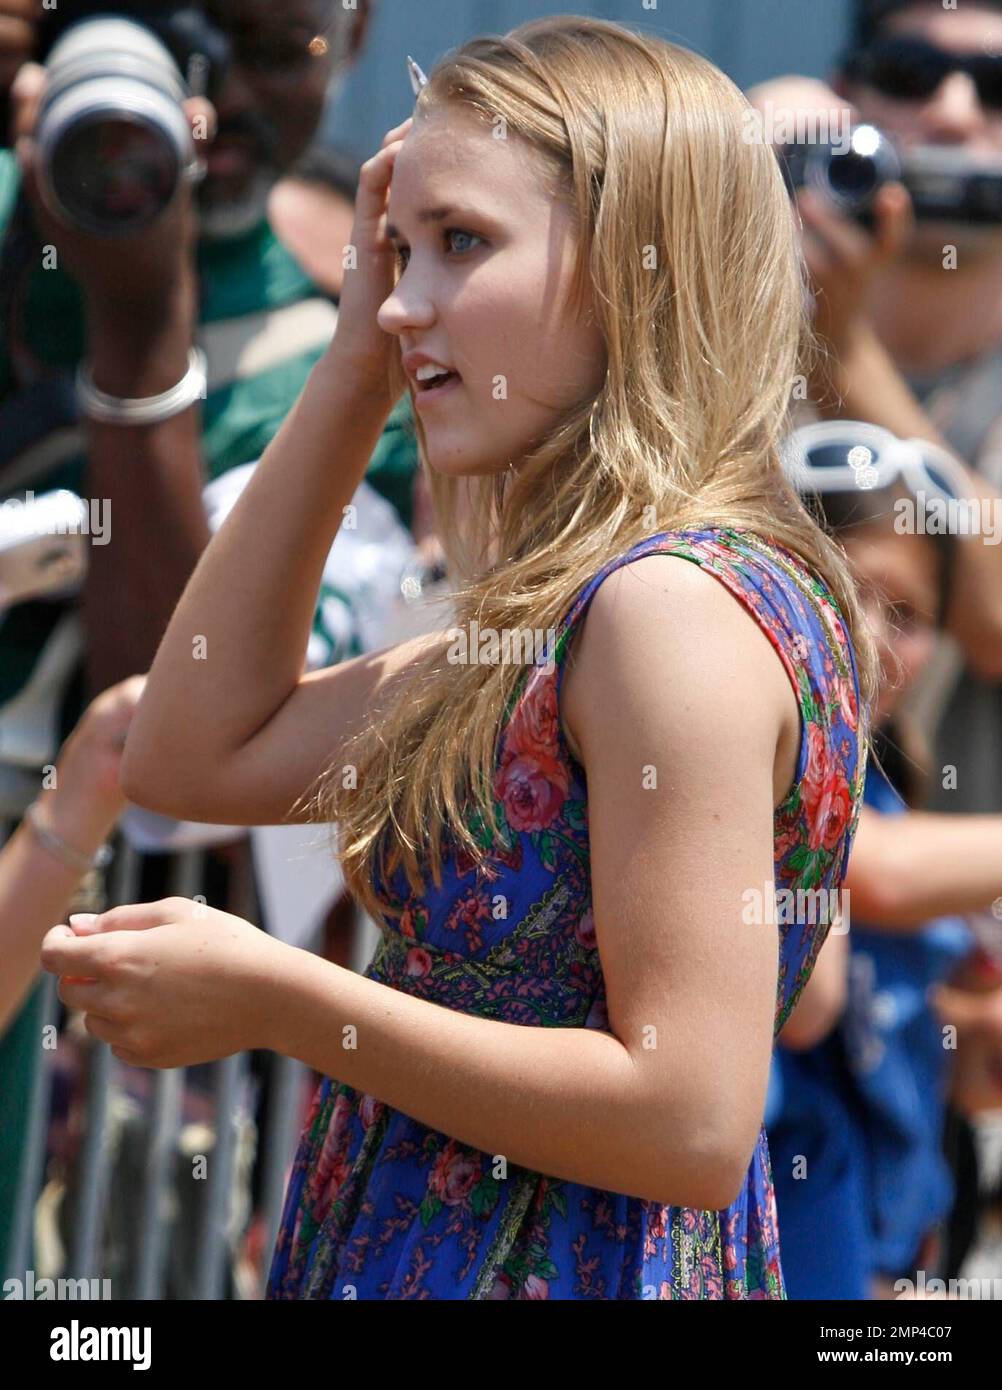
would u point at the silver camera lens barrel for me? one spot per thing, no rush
(100, 48)
(110, 70)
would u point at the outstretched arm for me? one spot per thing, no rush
(905, 869)
(80, 808)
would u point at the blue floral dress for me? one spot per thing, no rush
(378, 1205)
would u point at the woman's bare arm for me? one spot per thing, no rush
(905, 869)
(229, 729)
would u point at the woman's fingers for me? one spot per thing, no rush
(399, 132)
(133, 917)
(376, 174)
(80, 994)
(373, 185)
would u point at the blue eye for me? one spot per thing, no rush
(402, 253)
(458, 231)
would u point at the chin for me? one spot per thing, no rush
(227, 208)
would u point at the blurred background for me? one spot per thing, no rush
(750, 39)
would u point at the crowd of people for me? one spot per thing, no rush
(575, 1069)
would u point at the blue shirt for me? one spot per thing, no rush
(855, 1123)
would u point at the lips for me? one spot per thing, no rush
(230, 156)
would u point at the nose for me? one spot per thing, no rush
(954, 112)
(237, 94)
(408, 308)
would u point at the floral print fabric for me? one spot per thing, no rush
(378, 1205)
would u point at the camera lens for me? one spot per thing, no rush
(113, 137)
(114, 173)
(853, 175)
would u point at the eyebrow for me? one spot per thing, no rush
(427, 215)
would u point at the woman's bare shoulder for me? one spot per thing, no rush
(665, 637)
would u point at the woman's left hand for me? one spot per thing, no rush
(166, 984)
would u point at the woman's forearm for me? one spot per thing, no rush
(903, 870)
(35, 891)
(564, 1101)
(236, 644)
(860, 381)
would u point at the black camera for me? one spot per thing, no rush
(946, 184)
(114, 142)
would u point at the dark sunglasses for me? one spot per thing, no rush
(910, 69)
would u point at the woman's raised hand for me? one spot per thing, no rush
(369, 275)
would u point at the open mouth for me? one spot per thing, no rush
(437, 382)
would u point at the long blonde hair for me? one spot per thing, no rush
(688, 244)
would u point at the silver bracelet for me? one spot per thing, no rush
(74, 858)
(148, 410)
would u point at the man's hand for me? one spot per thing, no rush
(842, 256)
(89, 762)
(976, 1079)
(131, 278)
(18, 27)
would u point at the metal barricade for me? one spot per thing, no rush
(151, 1208)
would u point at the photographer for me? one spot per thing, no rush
(914, 339)
(210, 272)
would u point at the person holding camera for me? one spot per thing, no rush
(154, 331)
(910, 312)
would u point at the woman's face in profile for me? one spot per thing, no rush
(487, 258)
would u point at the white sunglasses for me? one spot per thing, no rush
(853, 456)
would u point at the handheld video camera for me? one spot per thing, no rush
(945, 183)
(114, 142)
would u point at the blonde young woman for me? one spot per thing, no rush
(550, 1081)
